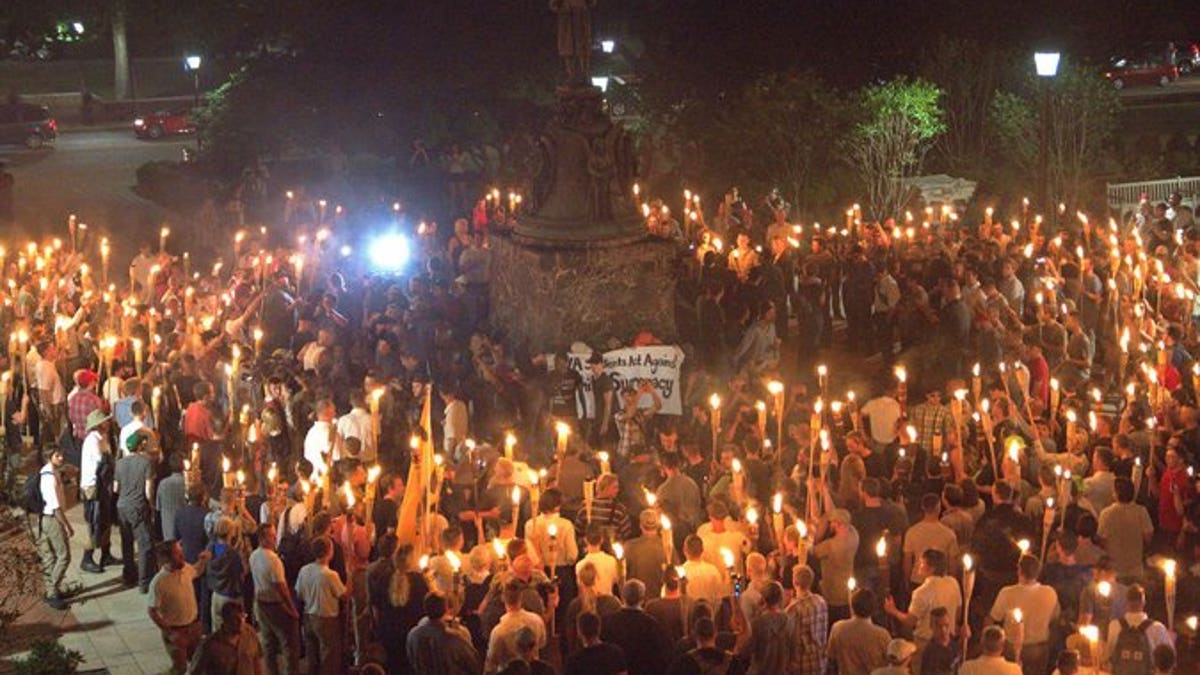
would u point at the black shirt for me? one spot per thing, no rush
(641, 638)
(705, 660)
(996, 535)
(939, 659)
(871, 521)
(876, 466)
(599, 659)
(384, 514)
(563, 389)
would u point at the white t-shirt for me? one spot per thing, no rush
(89, 459)
(317, 445)
(989, 665)
(454, 427)
(267, 571)
(111, 391)
(502, 641)
(320, 589)
(933, 593)
(704, 581)
(127, 431)
(923, 536)
(50, 383)
(51, 488)
(734, 540)
(607, 572)
(884, 413)
(310, 355)
(1038, 604)
(357, 424)
(172, 595)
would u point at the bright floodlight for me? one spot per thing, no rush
(193, 62)
(600, 82)
(389, 252)
(78, 26)
(607, 46)
(1046, 63)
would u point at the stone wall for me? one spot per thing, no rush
(545, 298)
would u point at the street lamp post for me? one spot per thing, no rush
(193, 64)
(1046, 64)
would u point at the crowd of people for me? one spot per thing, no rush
(307, 466)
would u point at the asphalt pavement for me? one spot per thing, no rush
(90, 173)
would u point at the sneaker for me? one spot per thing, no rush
(107, 559)
(57, 602)
(89, 566)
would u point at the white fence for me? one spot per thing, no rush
(1124, 198)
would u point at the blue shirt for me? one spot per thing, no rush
(123, 413)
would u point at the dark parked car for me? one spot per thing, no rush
(26, 124)
(1153, 68)
(160, 124)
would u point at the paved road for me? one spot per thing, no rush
(90, 173)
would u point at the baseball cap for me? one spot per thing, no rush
(85, 377)
(898, 651)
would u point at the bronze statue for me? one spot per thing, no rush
(575, 36)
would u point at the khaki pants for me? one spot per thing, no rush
(218, 601)
(54, 547)
(323, 644)
(361, 608)
(181, 643)
(280, 636)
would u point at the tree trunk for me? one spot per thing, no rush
(120, 52)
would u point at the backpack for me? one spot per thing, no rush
(706, 667)
(293, 548)
(33, 501)
(1131, 653)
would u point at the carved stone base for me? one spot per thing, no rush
(582, 187)
(543, 299)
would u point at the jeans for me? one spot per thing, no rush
(135, 525)
(99, 527)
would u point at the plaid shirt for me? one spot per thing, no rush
(632, 428)
(79, 404)
(930, 420)
(810, 617)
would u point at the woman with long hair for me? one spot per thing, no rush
(398, 607)
(589, 600)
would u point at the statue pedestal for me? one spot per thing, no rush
(546, 297)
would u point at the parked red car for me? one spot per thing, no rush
(160, 124)
(1141, 70)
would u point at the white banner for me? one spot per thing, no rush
(658, 364)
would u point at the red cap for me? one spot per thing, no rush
(86, 378)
